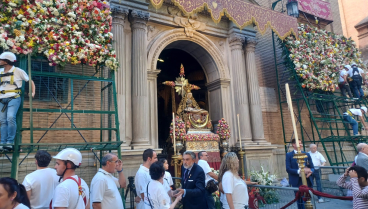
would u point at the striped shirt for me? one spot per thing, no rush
(360, 195)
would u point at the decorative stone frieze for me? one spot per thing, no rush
(189, 25)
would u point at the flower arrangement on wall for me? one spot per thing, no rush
(223, 129)
(180, 131)
(318, 56)
(65, 31)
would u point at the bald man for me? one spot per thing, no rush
(362, 157)
(105, 187)
(318, 161)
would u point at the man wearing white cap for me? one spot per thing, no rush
(348, 116)
(343, 83)
(11, 79)
(357, 75)
(72, 192)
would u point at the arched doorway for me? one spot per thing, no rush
(207, 55)
(169, 63)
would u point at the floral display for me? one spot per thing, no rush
(180, 131)
(65, 31)
(223, 129)
(319, 55)
(202, 137)
(265, 178)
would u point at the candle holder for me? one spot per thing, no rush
(242, 153)
(175, 162)
(179, 146)
(300, 160)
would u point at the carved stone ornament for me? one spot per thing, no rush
(119, 14)
(139, 19)
(177, 12)
(152, 31)
(236, 40)
(115, 9)
(189, 25)
(251, 44)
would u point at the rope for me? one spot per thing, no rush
(306, 189)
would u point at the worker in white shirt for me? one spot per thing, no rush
(105, 187)
(40, 184)
(203, 158)
(142, 178)
(318, 161)
(343, 82)
(357, 77)
(11, 79)
(72, 192)
(349, 117)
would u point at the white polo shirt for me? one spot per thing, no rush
(141, 180)
(343, 72)
(157, 196)
(19, 77)
(168, 181)
(42, 184)
(67, 194)
(104, 190)
(317, 158)
(206, 168)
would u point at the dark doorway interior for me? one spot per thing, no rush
(169, 63)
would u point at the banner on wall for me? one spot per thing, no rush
(241, 13)
(317, 8)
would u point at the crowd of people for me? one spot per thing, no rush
(156, 190)
(358, 184)
(61, 188)
(351, 80)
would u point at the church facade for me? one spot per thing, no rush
(239, 77)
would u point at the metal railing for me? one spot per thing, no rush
(276, 197)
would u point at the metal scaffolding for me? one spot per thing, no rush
(74, 106)
(319, 114)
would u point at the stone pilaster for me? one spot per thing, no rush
(119, 15)
(239, 86)
(152, 98)
(253, 87)
(138, 20)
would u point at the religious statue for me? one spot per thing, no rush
(188, 109)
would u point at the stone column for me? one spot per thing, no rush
(138, 20)
(253, 87)
(119, 14)
(152, 100)
(239, 86)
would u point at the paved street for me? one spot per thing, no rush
(335, 204)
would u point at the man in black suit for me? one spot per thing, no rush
(192, 181)
(292, 168)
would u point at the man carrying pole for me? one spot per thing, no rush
(300, 158)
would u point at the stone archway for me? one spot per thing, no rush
(209, 57)
(201, 47)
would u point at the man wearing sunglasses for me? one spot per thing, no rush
(104, 186)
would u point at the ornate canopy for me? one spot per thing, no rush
(241, 13)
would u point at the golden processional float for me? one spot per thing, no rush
(192, 125)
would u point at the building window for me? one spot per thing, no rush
(48, 87)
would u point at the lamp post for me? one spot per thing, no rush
(292, 8)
